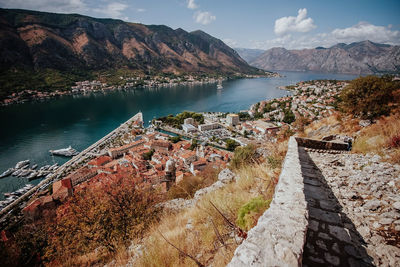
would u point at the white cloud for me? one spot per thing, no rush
(356, 33)
(113, 10)
(61, 6)
(191, 4)
(367, 31)
(204, 17)
(141, 10)
(230, 42)
(289, 24)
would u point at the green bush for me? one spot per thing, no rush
(289, 116)
(231, 144)
(177, 121)
(250, 212)
(369, 97)
(148, 155)
(175, 139)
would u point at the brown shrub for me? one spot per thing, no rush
(100, 218)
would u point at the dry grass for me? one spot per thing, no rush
(334, 124)
(377, 138)
(201, 231)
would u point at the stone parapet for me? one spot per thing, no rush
(319, 144)
(279, 236)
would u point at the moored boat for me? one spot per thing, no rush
(22, 164)
(66, 152)
(7, 173)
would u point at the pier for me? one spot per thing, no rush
(70, 165)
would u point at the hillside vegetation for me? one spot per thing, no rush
(40, 49)
(376, 99)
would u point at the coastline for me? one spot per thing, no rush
(86, 87)
(74, 163)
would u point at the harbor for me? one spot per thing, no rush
(38, 127)
(77, 161)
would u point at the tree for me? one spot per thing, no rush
(231, 144)
(103, 216)
(194, 144)
(175, 139)
(369, 97)
(148, 155)
(289, 116)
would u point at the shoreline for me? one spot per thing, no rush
(88, 87)
(82, 158)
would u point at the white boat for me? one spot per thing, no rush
(7, 173)
(219, 85)
(24, 173)
(16, 173)
(53, 167)
(32, 176)
(22, 164)
(66, 152)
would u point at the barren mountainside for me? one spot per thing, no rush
(249, 54)
(39, 40)
(361, 57)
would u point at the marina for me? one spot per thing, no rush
(15, 201)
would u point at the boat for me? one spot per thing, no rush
(16, 173)
(44, 168)
(24, 173)
(66, 152)
(32, 176)
(22, 164)
(34, 166)
(219, 85)
(53, 167)
(7, 173)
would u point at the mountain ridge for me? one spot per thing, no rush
(363, 57)
(38, 40)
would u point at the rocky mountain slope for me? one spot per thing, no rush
(39, 40)
(355, 58)
(249, 54)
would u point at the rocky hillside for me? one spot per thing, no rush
(363, 57)
(38, 40)
(249, 54)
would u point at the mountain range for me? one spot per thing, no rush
(41, 40)
(248, 54)
(364, 57)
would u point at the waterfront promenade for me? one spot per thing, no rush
(74, 163)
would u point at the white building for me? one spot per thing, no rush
(208, 127)
(189, 121)
(188, 128)
(232, 119)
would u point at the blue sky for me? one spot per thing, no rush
(261, 24)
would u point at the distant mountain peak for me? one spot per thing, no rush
(363, 57)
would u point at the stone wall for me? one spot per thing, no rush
(317, 144)
(279, 236)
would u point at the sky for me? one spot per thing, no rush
(261, 24)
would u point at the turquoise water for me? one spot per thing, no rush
(30, 130)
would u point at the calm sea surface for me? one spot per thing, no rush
(30, 130)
